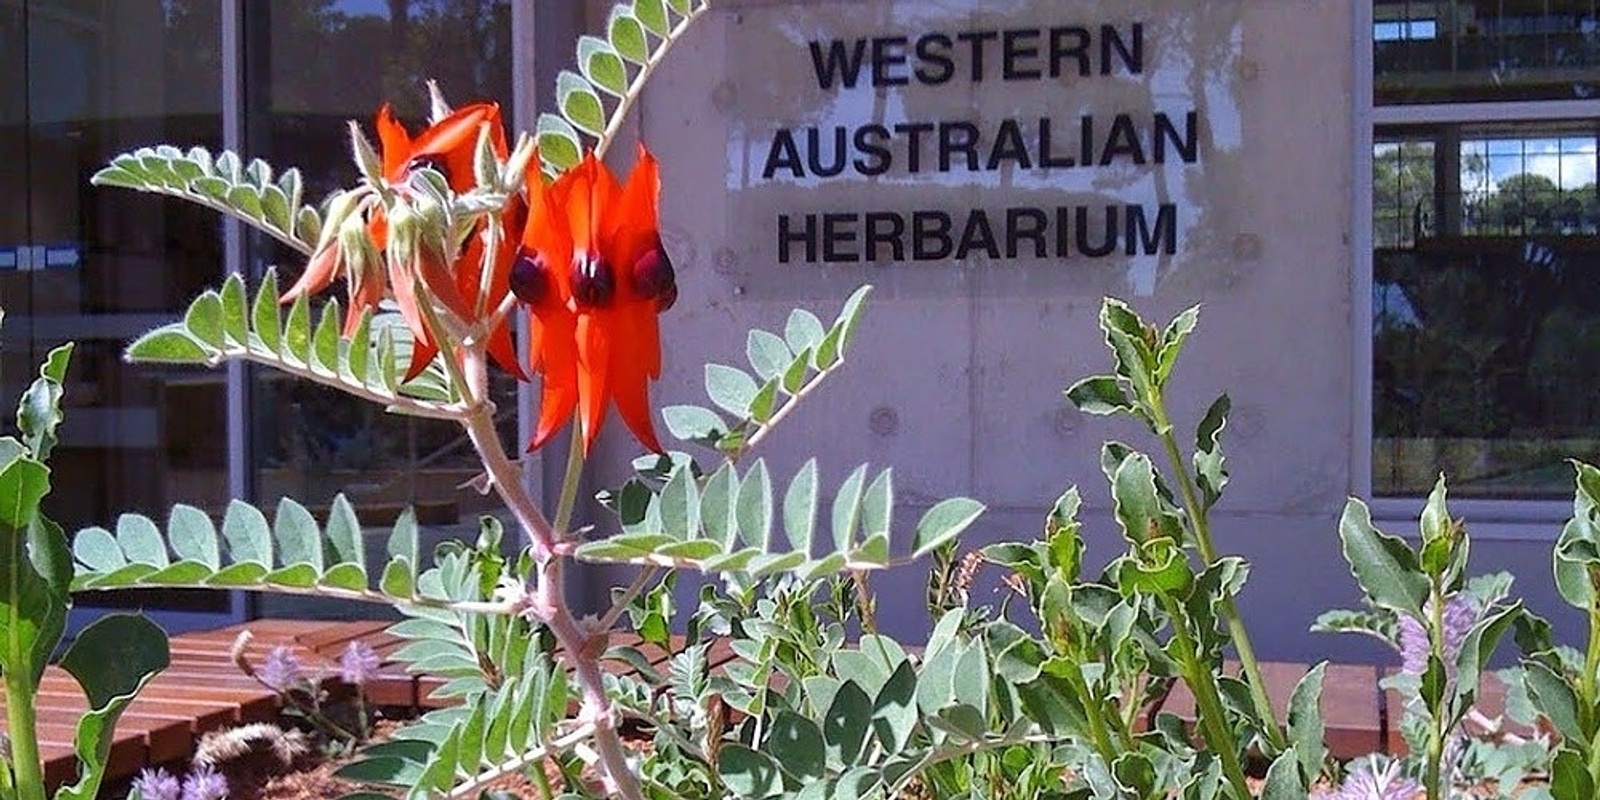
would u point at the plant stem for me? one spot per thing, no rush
(570, 479)
(21, 719)
(549, 602)
(1436, 711)
(1587, 690)
(1208, 701)
(618, 606)
(1208, 555)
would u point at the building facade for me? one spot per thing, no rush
(1388, 210)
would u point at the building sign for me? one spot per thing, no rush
(1039, 142)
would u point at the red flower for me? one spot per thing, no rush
(455, 280)
(595, 277)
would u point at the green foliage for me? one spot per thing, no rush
(111, 659)
(611, 71)
(784, 370)
(223, 182)
(369, 364)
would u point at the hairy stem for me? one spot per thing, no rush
(1237, 633)
(549, 596)
(636, 88)
(618, 606)
(1208, 702)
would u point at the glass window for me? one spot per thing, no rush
(314, 65)
(1486, 311)
(84, 82)
(1438, 51)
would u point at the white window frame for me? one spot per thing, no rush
(1492, 520)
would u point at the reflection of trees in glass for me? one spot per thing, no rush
(1402, 191)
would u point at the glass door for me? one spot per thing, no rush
(89, 79)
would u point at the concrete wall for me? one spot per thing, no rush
(968, 359)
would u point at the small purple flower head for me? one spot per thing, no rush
(281, 670)
(1365, 781)
(1460, 614)
(205, 783)
(157, 784)
(358, 663)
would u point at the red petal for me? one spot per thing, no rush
(320, 272)
(635, 359)
(554, 354)
(396, 144)
(594, 359)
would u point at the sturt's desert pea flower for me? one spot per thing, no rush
(595, 277)
(409, 244)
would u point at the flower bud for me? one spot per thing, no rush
(340, 209)
(438, 108)
(485, 166)
(366, 158)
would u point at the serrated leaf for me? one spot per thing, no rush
(1383, 565)
(112, 659)
(943, 522)
(1100, 395)
(1306, 728)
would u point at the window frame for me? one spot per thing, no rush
(1499, 519)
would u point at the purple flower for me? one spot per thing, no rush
(1365, 781)
(156, 784)
(281, 671)
(1460, 614)
(358, 663)
(205, 783)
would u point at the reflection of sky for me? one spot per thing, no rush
(360, 8)
(1568, 162)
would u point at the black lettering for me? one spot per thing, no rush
(913, 132)
(1141, 240)
(1132, 58)
(891, 237)
(834, 235)
(783, 155)
(1069, 43)
(934, 50)
(1047, 156)
(839, 65)
(978, 235)
(1017, 46)
(1086, 139)
(951, 144)
(1008, 144)
(786, 237)
(1186, 143)
(1107, 246)
(814, 152)
(889, 51)
(1123, 141)
(1033, 231)
(976, 39)
(1063, 231)
(930, 236)
(882, 159)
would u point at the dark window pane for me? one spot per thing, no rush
(1483, 50)
(1486, 314)
(315, 66)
